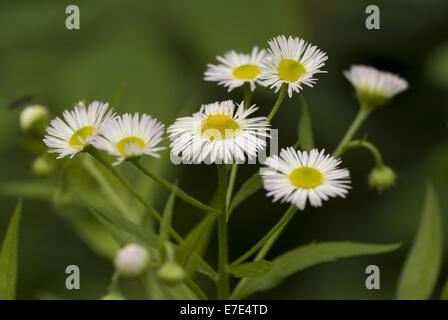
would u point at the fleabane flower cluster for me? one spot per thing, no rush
(126, 136)
(288, 61)
(228, 132)
(219, 133)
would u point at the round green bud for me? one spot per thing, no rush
(44, 165)
(382, 178)
(132, 260)
(171, 273)
(34, 118)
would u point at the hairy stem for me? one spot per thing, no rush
(247, 94)
(279, 101)
(170, 187)
(222, 283)
(367, 145)
(362, 115)
(264, 250)
(278, 226)
(231, 185)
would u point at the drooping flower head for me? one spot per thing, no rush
(78, 130)
(219, 133)
(236, 69)
(374, 87)
(129, 137)
(297, 176)
(293, 62)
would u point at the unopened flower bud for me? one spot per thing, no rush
(43, 165)
(171, 273)
(34, 118)
(132, 260)
(381, 178)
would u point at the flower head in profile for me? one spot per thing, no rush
(78, 129)
(293, 62)
(219, 132)
(129, 137)
(297, 176)
(236, 69)
(374, 87)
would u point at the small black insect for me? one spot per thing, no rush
(16, 103)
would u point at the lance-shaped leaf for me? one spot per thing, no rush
(8, 257)
(165, 225)
(251, 269)
(305, 129)
(421, 268)
(191, 241)
(304, 257)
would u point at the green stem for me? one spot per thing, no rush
(222, 283)
(279, 101)
(369, 146)
(232, 179)
(262, 253)
(195, 288)
(278, 226)
(150, 209)
(170, 187)
(362, 115)
(247, 94)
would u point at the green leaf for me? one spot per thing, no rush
(421, 268)
(95, 235)
(444, 295)
(304, 257)
(116, 198)
(251, 269)
(191, 241)
(8, 257)
(305, 129)
(165, 225)
(252, 185)
(125, 231)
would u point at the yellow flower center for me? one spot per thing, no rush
(219, 126)
(306, 177)
(247, 71)
(123, 142)
(290, 70)
(83, 133)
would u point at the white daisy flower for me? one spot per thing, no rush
(373, 86)
(78, 130)
(296, 176)
(293, 62)
(219, 133)
(129, 137)
(236, 69)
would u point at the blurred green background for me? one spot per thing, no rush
(149, 56)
